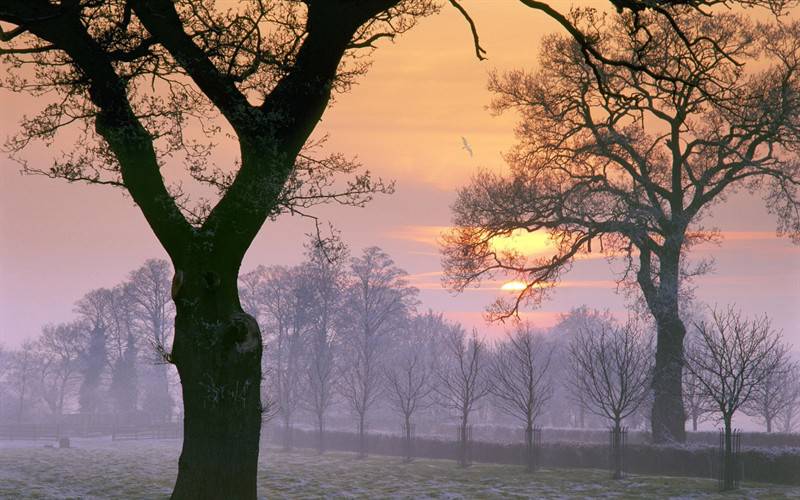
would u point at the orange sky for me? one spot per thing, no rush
(404, 120)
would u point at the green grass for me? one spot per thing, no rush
(146, 469)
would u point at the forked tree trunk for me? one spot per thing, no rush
(217, 352)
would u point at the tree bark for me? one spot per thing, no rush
(362, 438)
(217, 352)
(287, 432)
(409, 444)
(668, 415)
(530, 459)
(464, 459)
(320, 433)
(616, 449)
(728, 467)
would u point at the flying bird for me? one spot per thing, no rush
(466, 146)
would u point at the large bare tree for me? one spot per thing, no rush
(133, 76)
(628, 159)
(732, 357)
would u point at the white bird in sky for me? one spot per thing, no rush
(466, 146)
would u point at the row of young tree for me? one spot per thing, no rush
(104, 362)
(348, 341)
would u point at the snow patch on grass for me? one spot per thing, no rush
(101, 468)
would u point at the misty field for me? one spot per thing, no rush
(100, 468)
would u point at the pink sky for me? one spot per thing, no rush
(404, 121)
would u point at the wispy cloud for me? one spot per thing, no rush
(427, 235)
(748, 235)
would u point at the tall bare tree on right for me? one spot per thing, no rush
(627, 153)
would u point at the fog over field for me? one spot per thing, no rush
(400, 248)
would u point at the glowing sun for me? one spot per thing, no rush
(514, 286)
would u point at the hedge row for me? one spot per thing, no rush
(770, 465)
(505, 434)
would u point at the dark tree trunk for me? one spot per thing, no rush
(768, 421)
(616, 450)
(320, 433)
(21, 406)
(362, 437)
(728, 467)
(694, 423)
(464, 458)
(668, 416)
(217, 352)
(408, 438)
(287, 432)
(530, 457)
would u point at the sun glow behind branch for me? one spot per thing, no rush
(514, 286)
(524, 243)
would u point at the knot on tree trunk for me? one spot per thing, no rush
(211, 280)
(243, 333)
